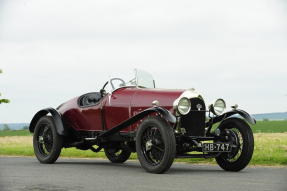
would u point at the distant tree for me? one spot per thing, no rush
(25, 127)
(265, 119)
(3, 100)
(6, 127)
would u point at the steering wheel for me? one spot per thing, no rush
(122, 82)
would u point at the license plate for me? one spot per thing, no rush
(216, 147)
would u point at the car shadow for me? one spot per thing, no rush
(194, 169)
(176, 168)
(130, 164)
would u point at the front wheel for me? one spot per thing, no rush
(155, 145)
(240, 135)
(46, 141)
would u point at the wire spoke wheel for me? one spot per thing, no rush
(241, 138)
(45, 139)
(155, 145)
(237, 142)
(152, 145)
(117, 155)
(47, 143)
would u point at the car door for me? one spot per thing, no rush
(118, 107)
(91, 112)
(82, 116)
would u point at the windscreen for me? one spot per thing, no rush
(144, 79)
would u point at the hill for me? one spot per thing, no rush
(14, 126)
(271, 116)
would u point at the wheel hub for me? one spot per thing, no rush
(148, 145)
(41, 139)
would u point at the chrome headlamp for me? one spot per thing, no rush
(218, 107)
(183, 106)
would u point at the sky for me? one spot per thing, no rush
(52, 51)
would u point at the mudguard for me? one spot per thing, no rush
(242, 113)
(55, 115)
(162, 111)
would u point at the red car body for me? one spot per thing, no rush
(117, 107)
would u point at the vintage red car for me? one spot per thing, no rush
(159, 124)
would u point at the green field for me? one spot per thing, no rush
(270, 127)
(15, 133)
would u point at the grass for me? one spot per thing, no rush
(4, 133)
(270, 127)
(23, 146)
(270, 149)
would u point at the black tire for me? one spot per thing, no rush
(46, 141)
(155, 145)
(116, 155)
(242, 135)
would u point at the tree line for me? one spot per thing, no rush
(7, 128)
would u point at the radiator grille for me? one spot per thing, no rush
(194, 121)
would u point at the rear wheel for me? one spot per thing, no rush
(241, 136)
(117, 155)
(46, 141)
(155, 145)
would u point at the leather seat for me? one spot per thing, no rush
(90, 99)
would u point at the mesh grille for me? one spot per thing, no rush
(194, 121)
